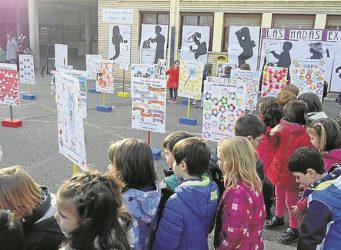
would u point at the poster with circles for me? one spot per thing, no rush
(26, 69)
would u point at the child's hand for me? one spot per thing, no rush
(275, 130)
(296, 212)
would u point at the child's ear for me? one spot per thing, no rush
(312, 173)
(184, 166)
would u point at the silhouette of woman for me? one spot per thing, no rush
(244, 39)
(116, 41)
(316, 50)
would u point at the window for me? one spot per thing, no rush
(293, 21)
(197, 19)
(333, 22)
(238, 20)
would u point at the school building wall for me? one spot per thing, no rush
(222, 14)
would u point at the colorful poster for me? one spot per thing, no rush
(195, 43)
(26, 69)
(274, 79)
(142, 70)
(308, 76)
(60, 55)
(70, 123)
(83, 88)
(153, 43)
(93, 65)
(119, 45)
(149, 104)
(335, 84)
(250, 81)
(190, 80)
(244, 45)
(9, 86)
(223, 105)
(122, 16)
(224, 69)
(105, 78)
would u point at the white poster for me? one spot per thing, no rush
(243, 45)
(149, 104)
(195, 43)
(26, 69)
(70, 123)
(105, 78)
(335, 84)
(122, 16)
(60, 55)
(223, 105)
(93, 65)
(119, 45)
(153, 43)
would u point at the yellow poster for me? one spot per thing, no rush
(190, 80)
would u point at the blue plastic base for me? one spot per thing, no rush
(185, 101)
(188, 121)
(103, 108)
(28, 96)
(156, 153)
(94, 91)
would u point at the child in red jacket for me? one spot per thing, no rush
(286, 137)
(173, 81)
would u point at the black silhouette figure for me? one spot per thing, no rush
(244, 39)
(284, 59)
(116, 41)
(160, 44)
(201, 48)
(316, 50)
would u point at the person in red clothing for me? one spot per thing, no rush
(286, 137)
(173, 81)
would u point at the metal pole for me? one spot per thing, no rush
(11, 112)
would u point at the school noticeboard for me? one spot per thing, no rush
(148, 104)
(9, 86)
(118, 16)
(190, 80)
(70, 122)
(274, 79)
(26, 69)
(105, 77)
(223, 105)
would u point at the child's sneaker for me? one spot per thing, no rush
(174, 101)
(275, 222)
(290, 236)
(169, 100)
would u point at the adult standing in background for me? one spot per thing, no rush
(11, 49)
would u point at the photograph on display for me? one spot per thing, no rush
(26, 69)
(9, 85)
(119, 45)
(223, 105)
(274, 79)
(70, 122)
(105, 78)
(224, 69)
(93, 65)
(250, 81)
(153, 43)
(190, 80)
(60, 55)
(244, 45)
(149, 104)
(195, 43)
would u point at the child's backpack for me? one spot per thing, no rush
(215, 173)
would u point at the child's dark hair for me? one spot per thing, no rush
(338, 121)
(249, 125)
(11, 232)
(296, 111)
(173, 138)
(133, 161)
(271, 111)
(195, 152)
(99, 205)
(304, 158)
(312, 100)
(329, 133)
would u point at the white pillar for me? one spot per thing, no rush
(18, 18)
(33, 23)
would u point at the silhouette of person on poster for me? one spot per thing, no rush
(160, 44)
(116, 41)
(201, 47)
(284, 59)
(244, 39)
(316, 50)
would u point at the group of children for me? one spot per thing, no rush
(229, 189)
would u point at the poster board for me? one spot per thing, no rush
(9, 85)
(274, 79)
(93, 64)
(60, 55)
(119, 45)
(105, 77)
(190, 80)
(26, 69)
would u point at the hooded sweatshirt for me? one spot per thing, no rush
(188, 215)
(330, 158)
(143, 207)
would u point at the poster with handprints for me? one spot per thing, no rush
(224, 69)
(149, 104)
(190, 80)
(223, 105)
(274, 79)
(93, 65)
(250, 81)
(9, 86)
(60, 55)
(70, 123)
(105, 78)
(26, 69)
(308, 76)
(119, 45)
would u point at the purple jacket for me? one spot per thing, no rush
(330, 158)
